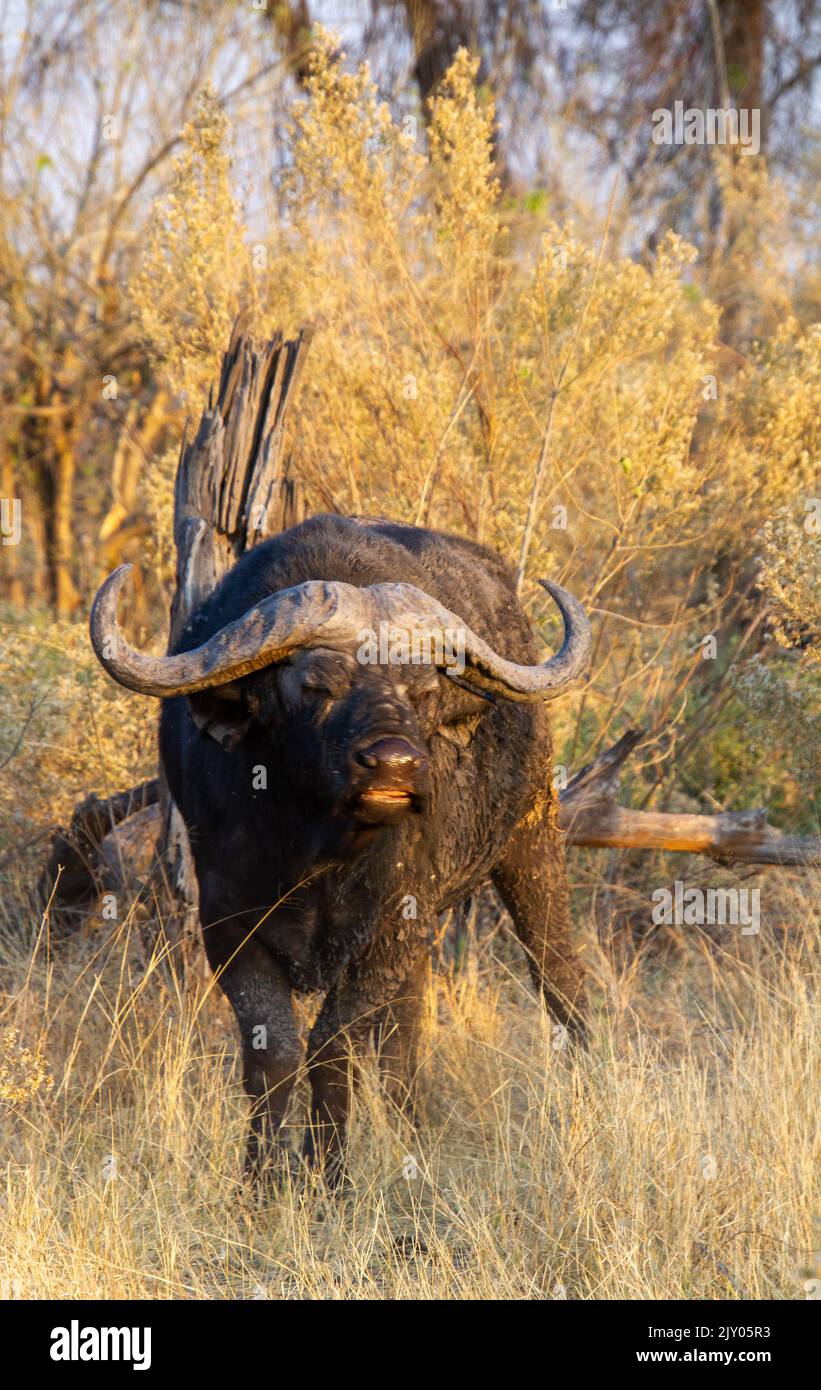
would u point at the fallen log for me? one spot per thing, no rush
(590, 814)
(79, 868)
(732, 837)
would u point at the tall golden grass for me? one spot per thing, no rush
(674, 1159)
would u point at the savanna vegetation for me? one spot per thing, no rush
(535, 327)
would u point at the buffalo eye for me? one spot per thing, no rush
(317, 678)
(315, 687)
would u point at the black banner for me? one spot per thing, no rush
(82, 1339)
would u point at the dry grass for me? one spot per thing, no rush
(672, 1161)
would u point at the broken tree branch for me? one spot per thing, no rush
(590, 814)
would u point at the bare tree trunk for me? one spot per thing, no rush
(50, 441)
(739, 29)
(436, 31)
(126, 522)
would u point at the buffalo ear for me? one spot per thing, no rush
(463, 701)
(224, 720)
(462, 711)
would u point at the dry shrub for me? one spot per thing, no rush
(65, 730)
(194, 273)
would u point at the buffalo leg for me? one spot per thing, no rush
(260, 996)
(397, 1037)
(532, 882)
(366, 1003)
(336, 1038)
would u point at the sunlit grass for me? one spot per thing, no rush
(673, 1160)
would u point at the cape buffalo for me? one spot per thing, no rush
(354, 731)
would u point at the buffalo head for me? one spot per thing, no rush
(352, 682)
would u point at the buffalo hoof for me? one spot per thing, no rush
(274, 1174)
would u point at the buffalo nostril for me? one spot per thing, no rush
(393, 755)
